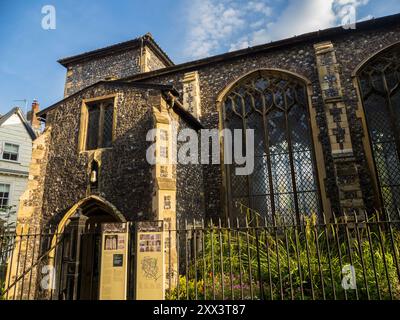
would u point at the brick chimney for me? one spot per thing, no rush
(32, 118)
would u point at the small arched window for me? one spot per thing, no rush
(284, 182)
(379, 82)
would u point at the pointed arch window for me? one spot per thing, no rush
(284, 181)
(379, 82)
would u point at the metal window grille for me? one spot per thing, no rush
(379, 81)
(284, 180)
(93, 127)
(100, 125)
(108, 125)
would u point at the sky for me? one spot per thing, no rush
(185, 29)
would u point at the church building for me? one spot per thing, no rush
(324, 106)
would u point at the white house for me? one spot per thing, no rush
(16, 136)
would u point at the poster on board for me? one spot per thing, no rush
(114, 261)
(150, 269)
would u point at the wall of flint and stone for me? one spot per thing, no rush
(152, 61)
(351, 49)
(127, 192)
(86, 73)
(125, 176)
(118, 65)
(189, 188)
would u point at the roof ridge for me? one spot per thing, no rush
(116, 82)
(18, 111)
(382, 21)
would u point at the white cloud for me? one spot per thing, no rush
(210, 23)
(259, 6)
(213, 22)
(351, 2)
(257, 24)
(231, 24)
(297, 19)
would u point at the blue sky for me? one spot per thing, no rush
(185, 29)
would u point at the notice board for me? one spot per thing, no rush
(150, 275)
(114, 261)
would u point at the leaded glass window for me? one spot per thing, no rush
(108, 124)
(93, 127)
(100, 125)
(284, 181)
(380, 82)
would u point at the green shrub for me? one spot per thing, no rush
(293, 263)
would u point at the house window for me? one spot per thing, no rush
(10, 152)
(100, 125)
(4, 195)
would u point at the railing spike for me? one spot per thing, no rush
(388, 217)
(377, 216)
(366, 215)
(355, 216)
(334, 217)
(323, 218)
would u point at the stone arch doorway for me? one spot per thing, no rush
(78, 253)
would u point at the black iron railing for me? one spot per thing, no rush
(352, 257)
(349, 257)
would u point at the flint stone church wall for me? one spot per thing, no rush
(189, 188)
(351, 50)
(126, 180)
(116, 66)
(86, 73)
(125, 175)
